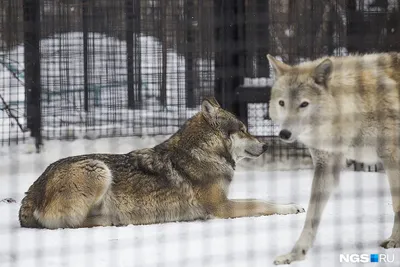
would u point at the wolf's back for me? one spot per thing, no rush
(367, 70)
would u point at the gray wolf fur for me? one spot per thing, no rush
(340, 107)
(184, 178)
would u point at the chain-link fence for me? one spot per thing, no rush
(112, 76)
(107, 68)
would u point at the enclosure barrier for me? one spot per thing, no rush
(112, 76)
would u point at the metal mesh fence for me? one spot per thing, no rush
(113, 76)
(112, 68)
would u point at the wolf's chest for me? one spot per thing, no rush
(365, 154)
(364, 146)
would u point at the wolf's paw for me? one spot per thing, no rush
(289, 258)
(390, 243)
(291, 209)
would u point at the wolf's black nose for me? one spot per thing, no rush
(285, 134)
(265, 147)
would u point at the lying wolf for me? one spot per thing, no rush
(340, 107)
(183, 179)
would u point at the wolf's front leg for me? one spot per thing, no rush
(252, 207)
(392, 169)
(394, 240)
(283, 209)
(326, 177)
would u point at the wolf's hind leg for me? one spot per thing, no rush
(97, 220)
(393, 172)
(72, 193)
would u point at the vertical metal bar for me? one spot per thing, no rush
(85, 53)
(355, 30)
(262, 34)
(31, 9)
(331, 30)
(311, 50)
(219, 59)
(292, 16)
(189, 53)
(251, 39)
(229, 58)
(129, 51)
(137, 53)
(163, 34)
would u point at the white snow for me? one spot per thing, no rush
(358, 216)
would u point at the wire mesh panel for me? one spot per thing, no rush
(116, 68)
(168, 178)
(12, 93)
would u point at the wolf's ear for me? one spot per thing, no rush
(210, 107)
(279, 67)
(213, 101)
(323, 71)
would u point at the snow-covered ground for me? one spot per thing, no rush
(358, 216)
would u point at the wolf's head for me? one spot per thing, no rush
(300, 99)
(240, 143)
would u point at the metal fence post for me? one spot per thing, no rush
(31, 9)
(257, 38)
(163, 38)
(85, 53)
(190, 78)
(132, 17)
(355, 29)
(262, 32)
(229, 51)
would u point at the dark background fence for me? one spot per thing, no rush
(87, 69)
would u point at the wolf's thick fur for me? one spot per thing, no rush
(340, 107)
(185, 178)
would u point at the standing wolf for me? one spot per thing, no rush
(185, 178)
(340, 107)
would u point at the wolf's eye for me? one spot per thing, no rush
(304, 104)
(281, 103)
